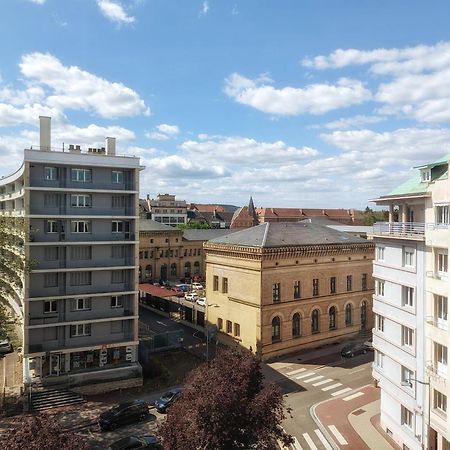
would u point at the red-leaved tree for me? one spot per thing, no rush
(226, 406)
(39, 432)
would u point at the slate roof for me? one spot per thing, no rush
(282, 234)
(205, 235)
(152, 225)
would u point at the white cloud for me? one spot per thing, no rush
(164, 132)
(313, 99)
(38, 2)
(353, 122)
(77, 89)
(113, 10)
(204, 10)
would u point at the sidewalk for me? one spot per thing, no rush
(349, 421)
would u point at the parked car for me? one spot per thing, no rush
(201, 301)
(122, 414)
(350, 350)
(177, 291)
(192, 296)
(183, 287)
(5, 346)
(167, 399)
(132, 442)
(197, 286)
(369, 344)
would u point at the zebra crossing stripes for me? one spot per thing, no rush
(342, 391)
(320, 383)
(351, 397)
(305, 375)
(333, 386)
(337, 435)
(296, 444)
(295, 372)
(309, 441)
(315, 378)
(323, 440)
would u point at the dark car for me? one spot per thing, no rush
(350, 350)
(5, 346)
(167, 399)
(132, 442)
(122, 414)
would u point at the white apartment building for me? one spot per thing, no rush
(79, 300)
(167, 210)
(411, 335)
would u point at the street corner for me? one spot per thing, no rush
(346, 419)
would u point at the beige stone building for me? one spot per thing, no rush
(279, 287)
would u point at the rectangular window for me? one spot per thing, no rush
(80, 278)
(224, 285)
(276, 294)
(215, 283)
(364, 282)
(442, 215)
(81, 253)
(407, 376)
(237, 330)
(408, 296)
(82, 329)
(117, 326)
(82, 304)
(333, 285)
(220, 324)
(117, 226)
(408, 257)
(82, 175)
(440, 402)
(229, 326)
(118, 201)
(440, 355)
(407, 417)
(51, 200)
(442, 264)
(380, 323)
(118, 251)
(117, 176)
(379, 253)
(51, 253)
(379, 288)
(407, 337)
(116, 301)
(51, 226)
(379, 359)
(51, 279)
(297, 293)
(50, 173)
(80, 200)
(81, 226)
(315, 286)
(440, 311)
(50, 306)
(117, 276)
(349, 283)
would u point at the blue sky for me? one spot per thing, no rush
(305, 103)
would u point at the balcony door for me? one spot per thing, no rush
(55, 364)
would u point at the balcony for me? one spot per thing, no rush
(86, 264)
(402, 230)
(437, 322)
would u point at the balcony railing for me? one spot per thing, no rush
(404, 229)
(438, 323)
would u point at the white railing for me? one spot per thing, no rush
(438, 323)
(399, 228)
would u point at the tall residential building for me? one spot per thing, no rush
(167, 210)
(79, 300)
(411, 334)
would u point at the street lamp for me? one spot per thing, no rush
(408, 383)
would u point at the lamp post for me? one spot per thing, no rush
(408, 382)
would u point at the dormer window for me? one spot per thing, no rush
(425, 175)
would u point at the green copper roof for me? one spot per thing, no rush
(440, 161)
(411, 186)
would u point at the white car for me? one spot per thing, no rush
(201, 301)
(197, 286)
(192, 296)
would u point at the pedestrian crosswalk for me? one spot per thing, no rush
(310, 441)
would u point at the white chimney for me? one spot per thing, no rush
(45, 133)
(110, 146)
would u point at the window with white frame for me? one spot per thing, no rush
(407, 417)
(408, 296)
(117, 176)
(442, 264)
(425, 175)
(117, 226)
(80, 200)
(379, 288)
(440, 402)
(116, 301)
(51, 226)
(81, 226)
(407, 376)
(379, 359)
(82, 175)
(440, 311)
(83, 304)
(442, 215)
(407, 337)
(50, 173)
(380, 253)
(82, 329)
(50, 306)
(440, 355)
(380, 323)
(408, 257)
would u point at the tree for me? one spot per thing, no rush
(225, 405)
(193, 226)
(40, 432)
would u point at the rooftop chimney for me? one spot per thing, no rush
(44, 133)
(110, 146)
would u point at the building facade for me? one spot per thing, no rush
(167, 210)
(280, 287)
(411, 334)
(79, 299)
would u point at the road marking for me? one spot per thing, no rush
(308, 374)
(342, 391)
(323, 440)
(313, 379)
(296, 444)
(309, 441)
(357, 370)
(331, 387)
(337, 435)
(162, 323)
(323, 382)
(351, 397)
(293, 372)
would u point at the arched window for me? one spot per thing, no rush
(348, 315)
(173, 270)
(296, 325)
(315, 321)
(148, 272)
(187, 269)
(196, 267)
(332, 317)
(363, 315)
(276, 329)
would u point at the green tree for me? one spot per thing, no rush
(193, 226)
(225, 405)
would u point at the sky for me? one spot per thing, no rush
(298, 103)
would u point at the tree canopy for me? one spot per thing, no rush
(193, 226)
(226, 405)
